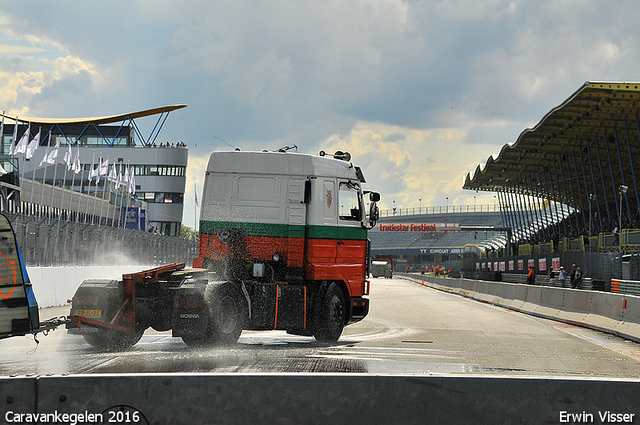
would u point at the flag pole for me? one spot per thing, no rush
(104, 187)
(127, 191)
(64, 181)
(54, 157)
(81, 182)
(95, 190)
(111, 182)
(24, 159)
(86, 207)
(20, 167)
(115, 201)
(44, 171)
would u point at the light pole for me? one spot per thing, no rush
(622, 190)
(474, 203)
(394, 207)
(447, 210)
(590, 215)
(420, 209)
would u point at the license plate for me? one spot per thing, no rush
(89, 313)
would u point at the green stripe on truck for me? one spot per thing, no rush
(286, 230)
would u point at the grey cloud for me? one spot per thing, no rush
(286, 71)
(395, 137)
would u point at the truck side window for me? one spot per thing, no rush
(348, 200)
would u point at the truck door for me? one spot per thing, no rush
(352, 238)
(296, 213)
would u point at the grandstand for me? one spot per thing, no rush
(567, 188)
(446, 237)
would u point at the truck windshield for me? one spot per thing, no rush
(348, 198)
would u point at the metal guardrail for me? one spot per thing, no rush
(53, 242)
(620, 286)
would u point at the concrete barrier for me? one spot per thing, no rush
(534, 294)
(508, 295)
(605, 313)
(551, 302)
(19, 395)
(618, 314)
(521, 297)
(576, 306)
(316, 398)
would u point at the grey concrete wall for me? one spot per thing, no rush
(321, 398)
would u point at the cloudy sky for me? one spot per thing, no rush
(420, 92)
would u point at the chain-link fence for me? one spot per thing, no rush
(54, 242)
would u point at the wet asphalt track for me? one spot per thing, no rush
(410, 329)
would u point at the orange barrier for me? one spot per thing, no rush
(615, 286)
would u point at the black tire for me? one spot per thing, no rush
(227, 318)
(108, 339)
(330, 317)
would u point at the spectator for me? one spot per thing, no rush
(572, 275)
(578, 279)
(562, 276)
(531, 276)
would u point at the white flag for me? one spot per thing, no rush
(119, 178)
(112, 174)
(44, 158)
(21, 147)
(2, 170)
(195, 192)
(132, 182)
(94, 172)
(53, 155)
(14, 139)
(68, 157)
(33, 145)
(76, 162)
(104, 167)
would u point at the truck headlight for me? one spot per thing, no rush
(276, 257)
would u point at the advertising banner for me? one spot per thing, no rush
(131, 218)
(542, 264)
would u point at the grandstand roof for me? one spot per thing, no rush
(107, 119)
(590, 144)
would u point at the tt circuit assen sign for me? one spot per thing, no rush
(442, 250)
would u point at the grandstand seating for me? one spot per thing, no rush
(455, 239)
(531, 225)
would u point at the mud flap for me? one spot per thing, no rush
(191, 310)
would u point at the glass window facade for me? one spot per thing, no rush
(161, 197)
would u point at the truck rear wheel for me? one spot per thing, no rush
(113, 340)
(331, 315)
(227, 319)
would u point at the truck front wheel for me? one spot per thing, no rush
(331, 315)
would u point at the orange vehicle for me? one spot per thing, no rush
(283, 245)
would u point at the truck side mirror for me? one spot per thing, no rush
(374, 196)
(374, 213)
